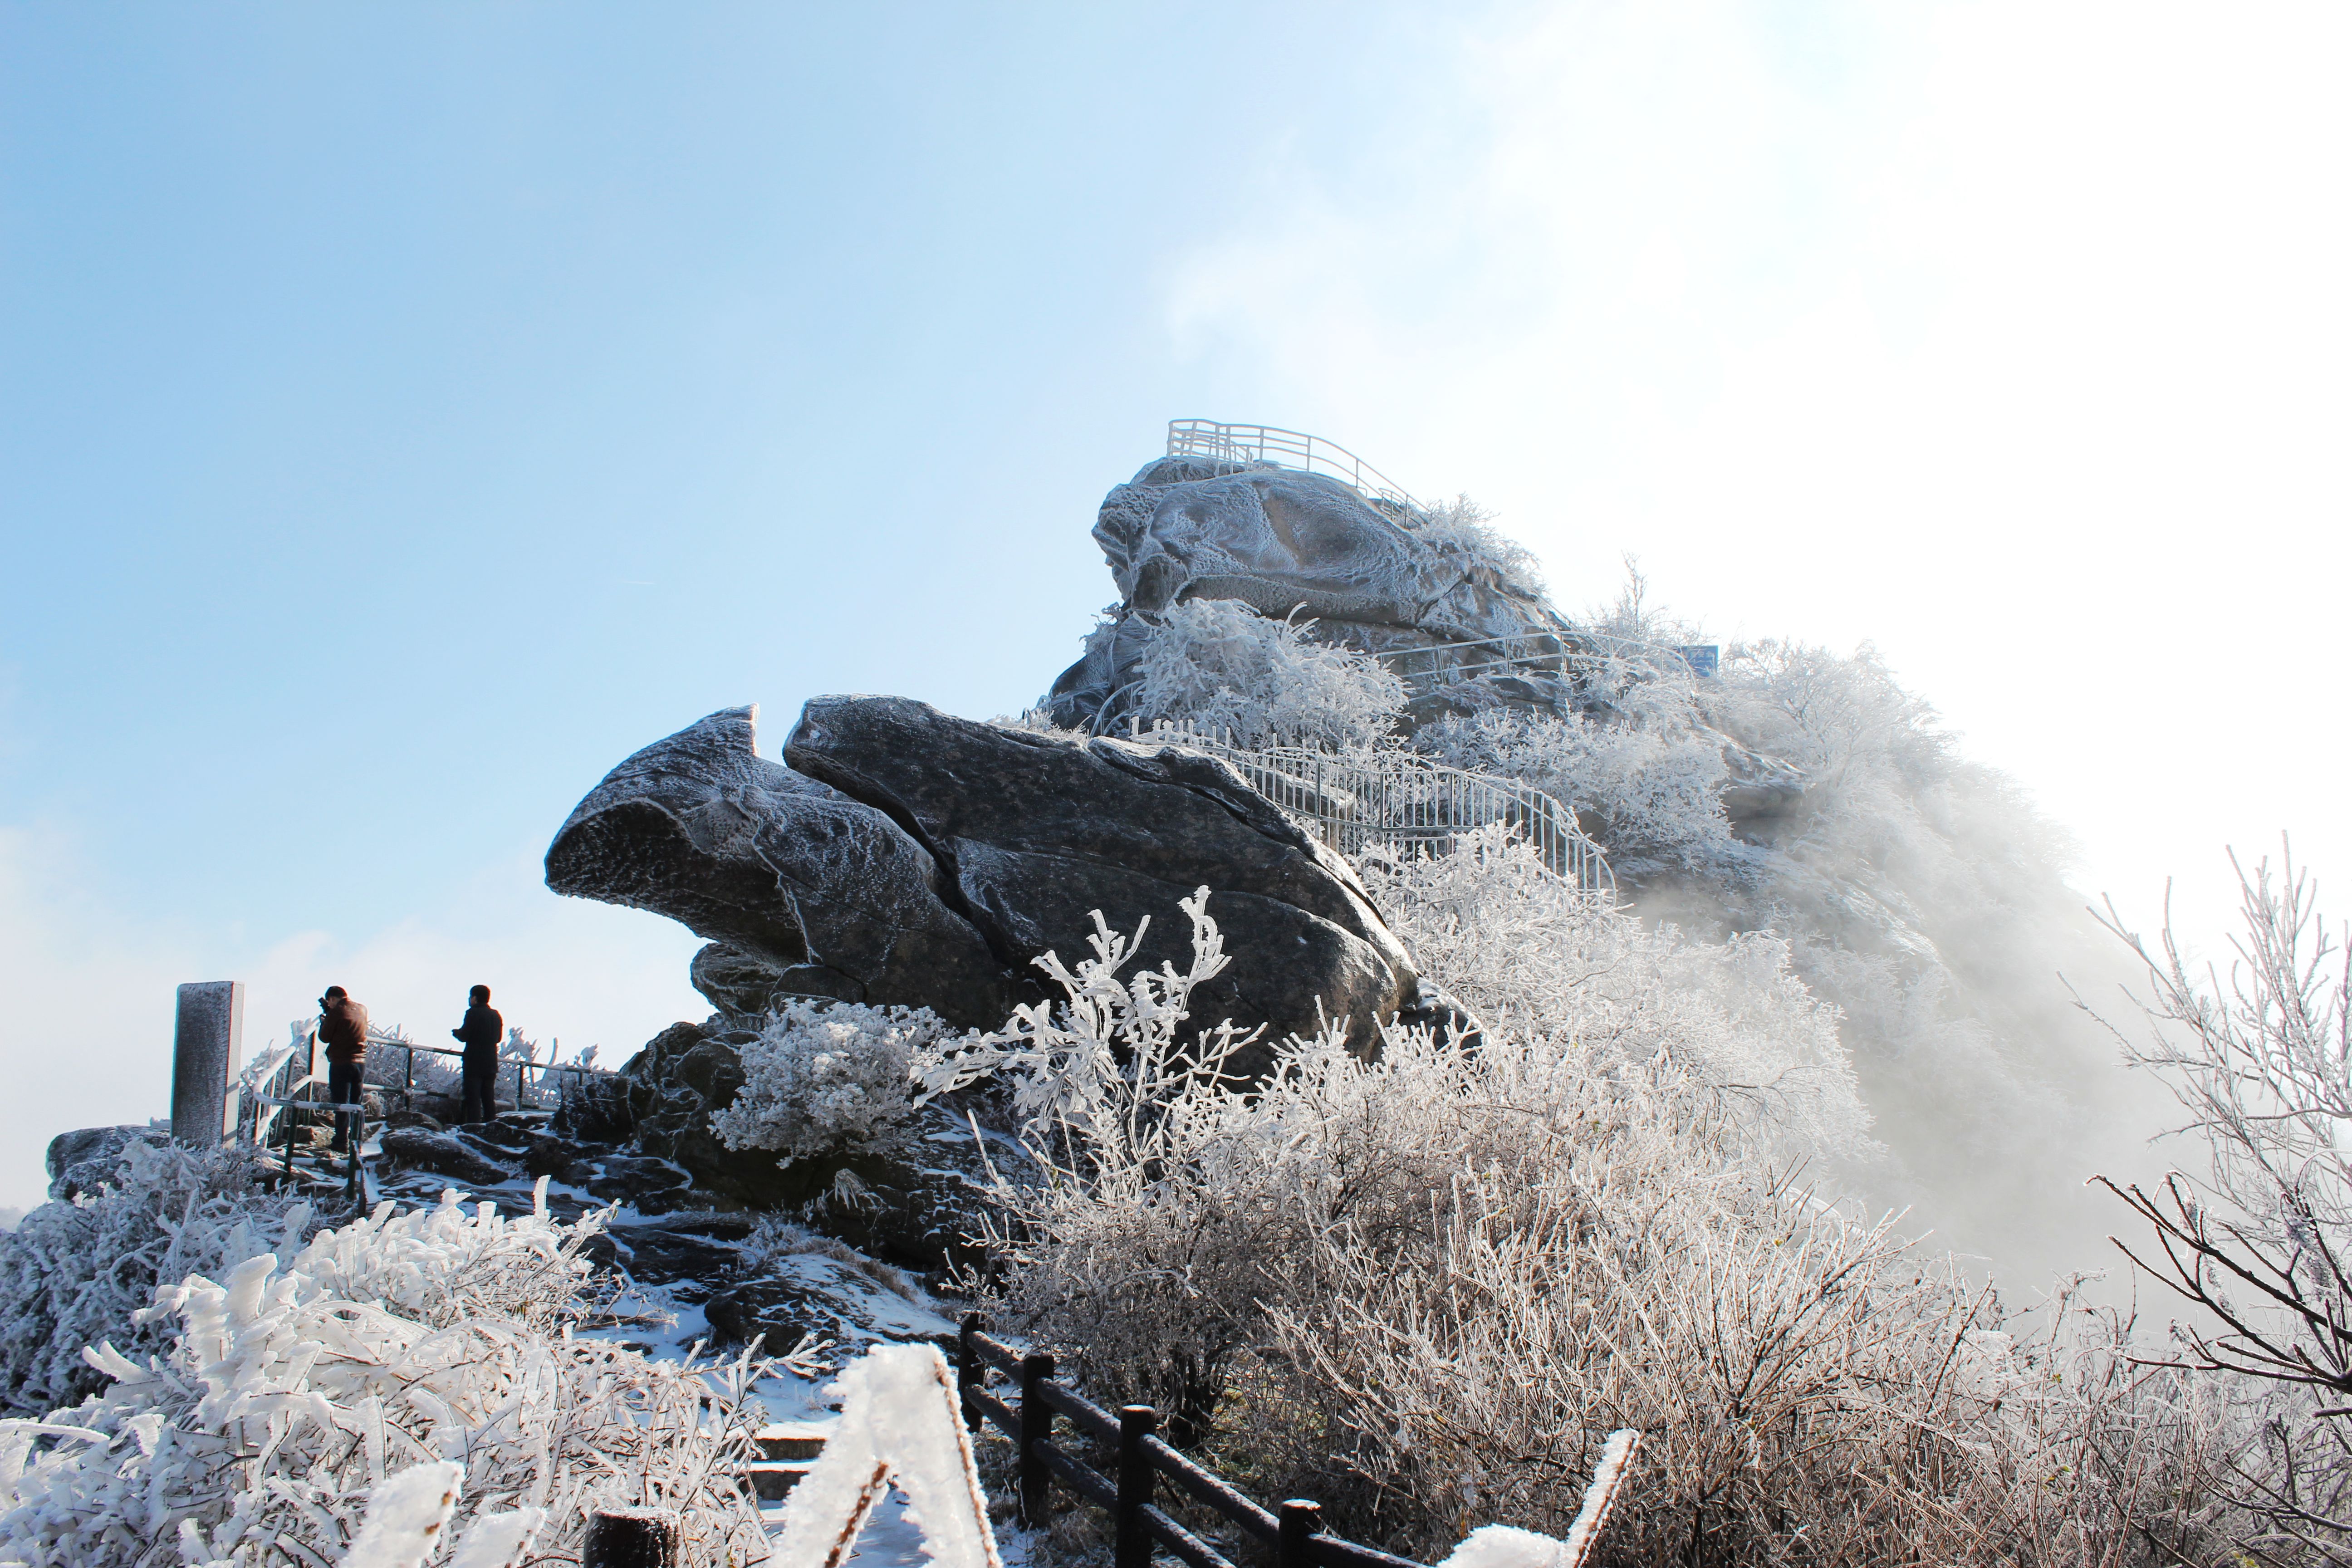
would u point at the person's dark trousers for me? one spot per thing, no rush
(343, 1088)
(481, 1101)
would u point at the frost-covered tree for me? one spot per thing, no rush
(1538, 960)
(1225, 668)
(1918, 891)
(1464, 532)
(2257, 1238)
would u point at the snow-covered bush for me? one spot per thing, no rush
(1225, 668)
(440, 1334)
(1464, 532)
(1652, 794)
(73, 1274)
(825, 1077)
(1425, 1287)
(1099, 1059)
(1538, 959)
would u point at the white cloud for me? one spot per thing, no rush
(2010, 337)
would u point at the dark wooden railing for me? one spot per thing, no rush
(1295, 1532)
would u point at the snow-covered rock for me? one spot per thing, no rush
(1374, 575)
(79, 1160)
(912, 858)
(829, 891)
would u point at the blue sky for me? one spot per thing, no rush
(407, 411)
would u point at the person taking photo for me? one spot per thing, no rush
(343, 1029)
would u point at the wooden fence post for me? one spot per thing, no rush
(631, 1537)
(1293, 1545)
(1132, 1538)
(970, 1374)
(1037, 1428)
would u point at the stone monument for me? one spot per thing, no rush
(205, 1050)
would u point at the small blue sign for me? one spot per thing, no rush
(1703, 659)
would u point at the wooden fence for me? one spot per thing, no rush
(1294, 1532)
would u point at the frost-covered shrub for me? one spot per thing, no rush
(1652, 794)
(1538, 959)
(440, 1334)
(1225, 668)
(1424, 1287)
(1108, 1051)
(74, 1274)
(1464, 532)
(827, 1076)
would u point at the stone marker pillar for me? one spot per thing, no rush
(205, 1051)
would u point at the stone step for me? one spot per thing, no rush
(790, 1442)
(773, 1479)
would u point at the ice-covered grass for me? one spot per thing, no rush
(1424, 1288)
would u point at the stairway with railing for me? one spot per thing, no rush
(1354, 799)
(1270, 446)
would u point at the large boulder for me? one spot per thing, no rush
(1035, 834)
(1443, 603)
(828, 892)
(1372, 575)
(909, 857)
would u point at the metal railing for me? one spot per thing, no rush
(1563, 654)
(1351, 800)
(1141, 1459)
(1282, 448)
(295, 1083)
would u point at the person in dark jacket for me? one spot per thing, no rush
(342, 1029)
(481, 1033)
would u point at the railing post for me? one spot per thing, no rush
(1293, 1545)
(970, 1374)
(408, 1082)
(1131, 1539)
(631, 1537)
(1037, 1428)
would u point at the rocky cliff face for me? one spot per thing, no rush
(909, 858)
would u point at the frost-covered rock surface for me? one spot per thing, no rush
(906, 858)
(81, 1160)
(827, 890)
(1374, 577)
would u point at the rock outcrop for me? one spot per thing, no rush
(905, 857)
(81, 1160)
(826, 892)
(919, 1212)
(1374, 575)
(1444, 604)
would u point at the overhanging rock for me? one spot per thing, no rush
(910, 856)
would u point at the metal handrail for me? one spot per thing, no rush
(1280, 448)
(1351, 800)
(1604, 648)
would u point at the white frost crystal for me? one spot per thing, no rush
(398, 1343)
